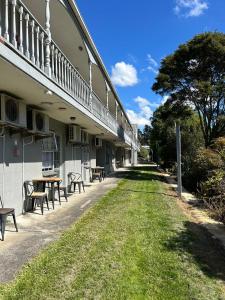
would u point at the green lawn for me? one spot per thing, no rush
(135, 243)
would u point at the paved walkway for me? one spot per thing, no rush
(36, 231)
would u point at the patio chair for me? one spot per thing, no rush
(75, 179)
(37, 198)
(4, 213)
(63, 189)
(96, 174)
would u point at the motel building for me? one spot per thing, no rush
(59, 112)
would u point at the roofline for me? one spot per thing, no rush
(98, 56)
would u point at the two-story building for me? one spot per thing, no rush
(58, 108)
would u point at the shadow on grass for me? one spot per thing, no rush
(148, 173)
(207, 252)
(155, 193)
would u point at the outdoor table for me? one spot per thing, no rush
(100, 170)
(51, 181)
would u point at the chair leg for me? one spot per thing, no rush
(3, 221)
(75, 184)
(46, 200)
(42, 205)
(79, 186)
(14, 220)
(83, 186)
(65, 195)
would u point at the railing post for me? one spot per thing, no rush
(27, 51)
(42, 51)
(6, 34)
(37, 47)
(53, 61)
(48, 39)
(14, 42)
(56, 65)
(90, 84)
(32, 42)
(21, 29)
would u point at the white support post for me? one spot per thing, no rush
(48, 39)
(27, 51)
(62, 71)
(56, 65)
(90, 84)
(32, 41)
(14, 42)
(42, 52)
(53, 60)
(21, 29)
(59, 61)
(37, 47)
(6, 34)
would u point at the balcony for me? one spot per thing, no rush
(20, 31)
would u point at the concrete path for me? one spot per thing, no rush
(37, 231)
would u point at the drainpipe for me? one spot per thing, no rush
(2, 135)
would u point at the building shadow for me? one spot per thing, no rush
(206, 251)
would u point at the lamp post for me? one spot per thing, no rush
(179, 174)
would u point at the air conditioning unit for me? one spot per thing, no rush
(84, 137)
(74, 134)
(98, 142)
(37, 121)
(12, 111)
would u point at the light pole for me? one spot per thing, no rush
(179, 174)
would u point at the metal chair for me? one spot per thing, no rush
(4, 213)
(63, 189)
(75, 179)
(37, 198)
(96, 174)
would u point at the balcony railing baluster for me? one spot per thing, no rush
(20, 28)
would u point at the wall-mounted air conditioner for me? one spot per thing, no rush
(74, 134)
(98, 142)
(12, 111)
(37, 121)
(84, 137)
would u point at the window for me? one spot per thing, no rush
(51, 153)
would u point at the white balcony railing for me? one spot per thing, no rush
(22, 32)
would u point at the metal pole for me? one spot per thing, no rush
(179, 175)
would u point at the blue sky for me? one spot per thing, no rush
(133, 36)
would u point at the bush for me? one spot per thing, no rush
(213, 194)
(200, 166)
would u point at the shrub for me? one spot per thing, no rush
(213, 194)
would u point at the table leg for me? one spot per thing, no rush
(58, 183)
(52, 195)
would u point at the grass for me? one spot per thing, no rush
(135, 243)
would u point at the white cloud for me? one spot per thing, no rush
(164, 99)
(124, 74)
(141, 118)
(152, 64)
(190, 8)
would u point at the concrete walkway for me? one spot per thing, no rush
(37, 231)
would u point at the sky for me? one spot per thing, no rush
(132, 38)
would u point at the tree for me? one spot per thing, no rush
(195, 74)
(163, 137)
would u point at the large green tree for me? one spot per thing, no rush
(163, 136)
(195, 74)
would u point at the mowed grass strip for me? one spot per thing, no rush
(135, 243)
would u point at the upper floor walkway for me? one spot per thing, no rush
(32, 30)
